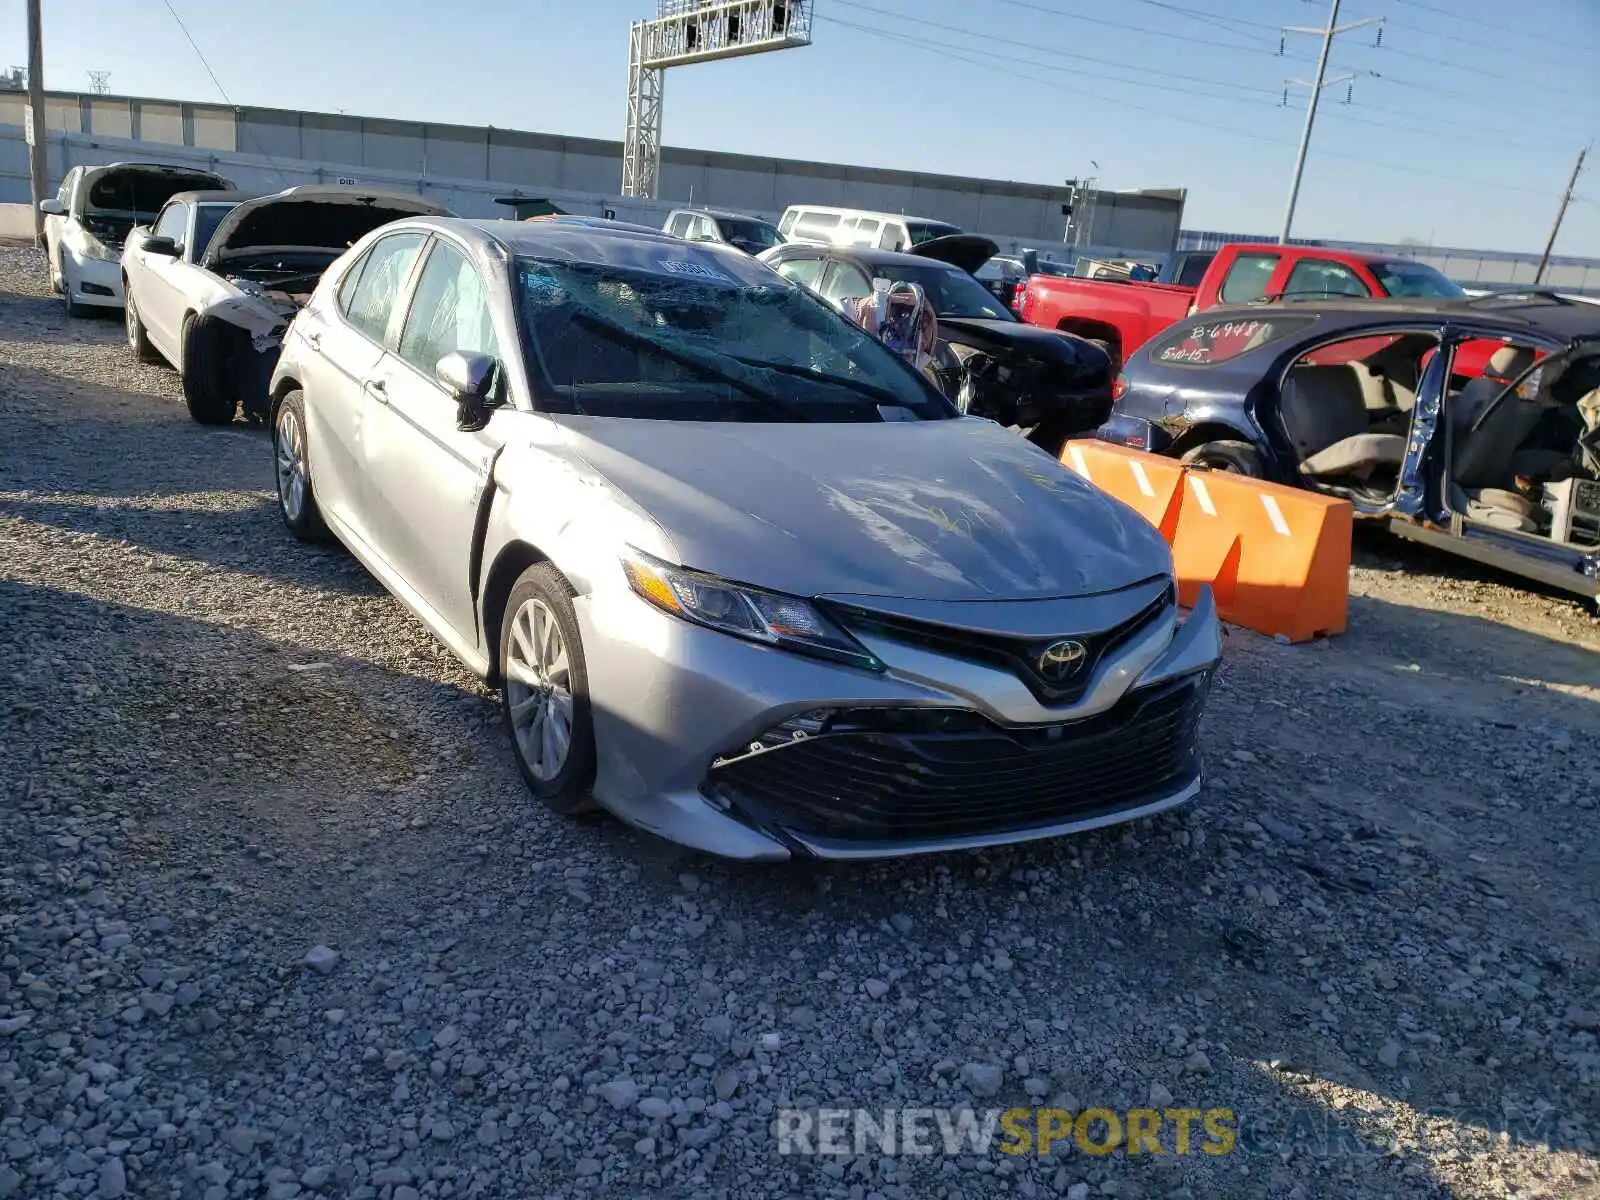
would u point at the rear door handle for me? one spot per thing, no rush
(377, 389)
(313, 339)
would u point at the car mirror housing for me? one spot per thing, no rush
(52, 207)
(163, 246)
(470, 379)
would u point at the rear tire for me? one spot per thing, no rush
(1235, 458)
(291, 453)
(138, 340)
(554, 689)
(207, 389)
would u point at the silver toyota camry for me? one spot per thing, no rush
(744, 577)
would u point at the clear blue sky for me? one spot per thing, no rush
(1465, 136)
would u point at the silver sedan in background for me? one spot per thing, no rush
(745, 578)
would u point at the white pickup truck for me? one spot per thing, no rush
(212, 284)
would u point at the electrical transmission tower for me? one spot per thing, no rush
(685, 32)
(1316, 85)
(100, 81)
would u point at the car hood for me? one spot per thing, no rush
(969, 251)
(930, 510)
(1086, 364)
(311, 218)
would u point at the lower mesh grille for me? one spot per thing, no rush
(867, 778)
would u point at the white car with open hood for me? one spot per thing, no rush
(88, 219)
(218, 311)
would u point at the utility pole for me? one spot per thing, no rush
(37, 151)
(1561, 215)
(1327, 35)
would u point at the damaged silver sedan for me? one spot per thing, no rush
(213, 297)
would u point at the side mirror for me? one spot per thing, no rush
(163, 246)
(52, 208)
(470, 379)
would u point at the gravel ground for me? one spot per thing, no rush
(277, 918)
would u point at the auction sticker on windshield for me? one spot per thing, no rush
(694, 269)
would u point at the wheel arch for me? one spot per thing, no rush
(510, 562)
(1212, 431)
(1103, 331)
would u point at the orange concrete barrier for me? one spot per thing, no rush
(1277, 558)
(1150, 485)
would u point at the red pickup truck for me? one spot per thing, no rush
(1125, 314)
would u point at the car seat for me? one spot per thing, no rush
(1324, 408)
(1481, 472)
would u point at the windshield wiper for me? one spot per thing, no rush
(607, 328)
(880, 395)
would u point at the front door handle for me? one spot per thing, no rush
(313, 339)
(377, 389)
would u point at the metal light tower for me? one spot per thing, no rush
(686, 32)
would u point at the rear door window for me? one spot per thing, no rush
(369, 293)
(844, 281)
(1248, 278)
(893, 237)
(1208, 343)
(807, 272)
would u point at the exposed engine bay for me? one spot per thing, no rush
(1051, 386)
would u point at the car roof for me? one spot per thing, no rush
(1536, 313)
(869, 256)
(610, 243)
(720, 212)
(215, 197)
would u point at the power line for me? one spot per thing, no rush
(1487, 26)
(1435, 60)
(1161, 33)
(948, 51)
(222, 91)
(1050, 65)
(1256, 94)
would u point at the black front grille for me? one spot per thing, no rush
(902, 774)
(1020, 656)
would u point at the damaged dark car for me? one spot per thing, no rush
(1051, 385)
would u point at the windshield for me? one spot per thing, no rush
(1415, 279)
(951, 290)
(750, 235)
(926, 231)
(206, 220)
(696, 337)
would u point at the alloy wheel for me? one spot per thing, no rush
(291, 456)
(539, 691)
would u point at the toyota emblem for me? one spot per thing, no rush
(1061, 660)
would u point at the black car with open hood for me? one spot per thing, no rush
(1053, 385)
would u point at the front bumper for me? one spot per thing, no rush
(95, 280)
(669, 700)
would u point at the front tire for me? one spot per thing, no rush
(545, 692)
(207, 389)
(297, 500)
(138, 339)
(74, 309)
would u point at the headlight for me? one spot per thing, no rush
(92, 247)
(778, 620)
